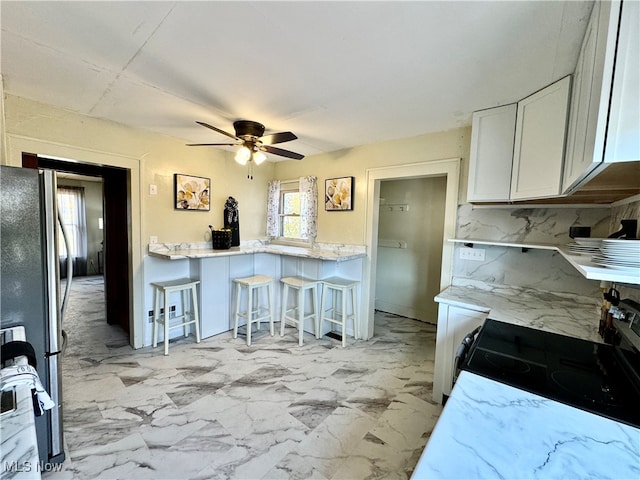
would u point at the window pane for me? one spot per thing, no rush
(291, 227)
(68, 208)
(291, 203)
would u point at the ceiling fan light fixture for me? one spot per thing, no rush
(243, 155)
(259, 157)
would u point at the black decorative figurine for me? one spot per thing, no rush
(232, 221)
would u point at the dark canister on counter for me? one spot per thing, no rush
(220, 239)
(232, 220)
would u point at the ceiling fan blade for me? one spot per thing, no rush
(216, 129)
(212, 144)
(277, 138)
(282, 152)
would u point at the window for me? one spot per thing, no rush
(292, 209)
(71, 208)
(290, 212)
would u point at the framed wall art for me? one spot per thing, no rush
(191, 193)
(338, 194)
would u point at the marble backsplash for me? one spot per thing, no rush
(621, 212)
(538, 225)
(540, 269)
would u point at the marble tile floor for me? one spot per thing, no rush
(222, 410)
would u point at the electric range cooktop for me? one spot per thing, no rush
(595, 377)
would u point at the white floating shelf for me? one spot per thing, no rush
(582, 263)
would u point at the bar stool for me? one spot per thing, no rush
(298, 317)
(331, 287)
(253, 314)
(165, 289)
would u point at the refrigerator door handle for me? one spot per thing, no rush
(53, 281)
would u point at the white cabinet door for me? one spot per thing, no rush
(623, 137)
(215, 291)
(492, 136)
(454, 324)
(591, 94)
(583, 116)
(540, 142)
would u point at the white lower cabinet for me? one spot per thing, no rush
(454, 323)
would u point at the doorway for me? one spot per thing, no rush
(447, 168)
(409, 256)
(115, 259)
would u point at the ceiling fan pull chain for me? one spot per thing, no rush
(250, 174)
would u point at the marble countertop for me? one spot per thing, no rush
(563, 313)
(491, 430)
(331, 252)
(18, 435)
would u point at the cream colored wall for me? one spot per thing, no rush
(349, 227)
(160, 157)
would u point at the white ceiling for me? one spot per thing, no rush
(337, 74)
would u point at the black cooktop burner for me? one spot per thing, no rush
(512, 365)
(585, 387)
(583, 374)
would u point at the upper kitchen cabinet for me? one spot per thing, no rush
(492, 136)
(517, 150)
(582, 148)
(539, 146)
(605, 105)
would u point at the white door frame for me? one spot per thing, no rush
(449, 168)
(17, 144)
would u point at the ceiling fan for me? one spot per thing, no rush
(249, 137)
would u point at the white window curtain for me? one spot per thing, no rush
(273, 206)
(309, 207)
(72, 211)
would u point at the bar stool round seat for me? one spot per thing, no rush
(296, 314)
(337, 290)
(256, 309)
(189, 296)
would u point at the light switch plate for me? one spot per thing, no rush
(153, 189)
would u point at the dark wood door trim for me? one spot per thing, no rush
(117, 231)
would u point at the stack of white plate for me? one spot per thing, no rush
(585, 246)
(619, 254)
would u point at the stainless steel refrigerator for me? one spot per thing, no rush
(29, 284)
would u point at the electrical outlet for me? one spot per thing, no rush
(153, 239)
(475, 254)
